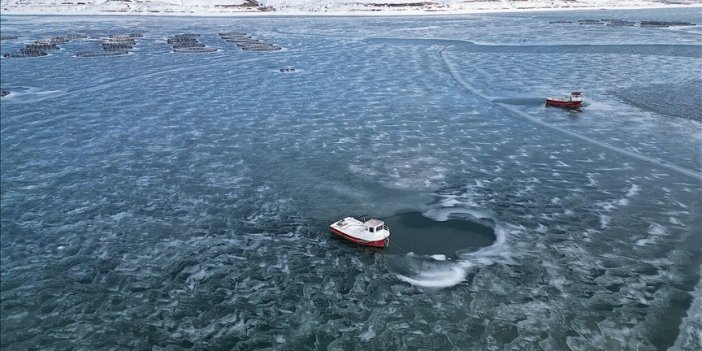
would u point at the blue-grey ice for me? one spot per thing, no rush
(175, 201)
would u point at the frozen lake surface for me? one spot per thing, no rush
(172, 201)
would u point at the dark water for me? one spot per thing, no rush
(413, 232)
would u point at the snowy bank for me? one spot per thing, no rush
(310, 7)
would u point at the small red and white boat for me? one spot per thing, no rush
(372, 232)
(574, 101)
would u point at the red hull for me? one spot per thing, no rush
(378, 243)
(566, 104)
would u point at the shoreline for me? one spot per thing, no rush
(48, 11)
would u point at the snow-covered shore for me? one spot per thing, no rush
(311, 7)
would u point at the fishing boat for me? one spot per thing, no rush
(372, 232)
(575, 100)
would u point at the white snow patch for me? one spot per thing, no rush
(675, 221)
(437, 278)
(633, 190)
(368, 334)
(657, 229)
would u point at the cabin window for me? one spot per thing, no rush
(371, 229)
(379, 228)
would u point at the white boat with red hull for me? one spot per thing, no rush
(574, 101)
(372, 232)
